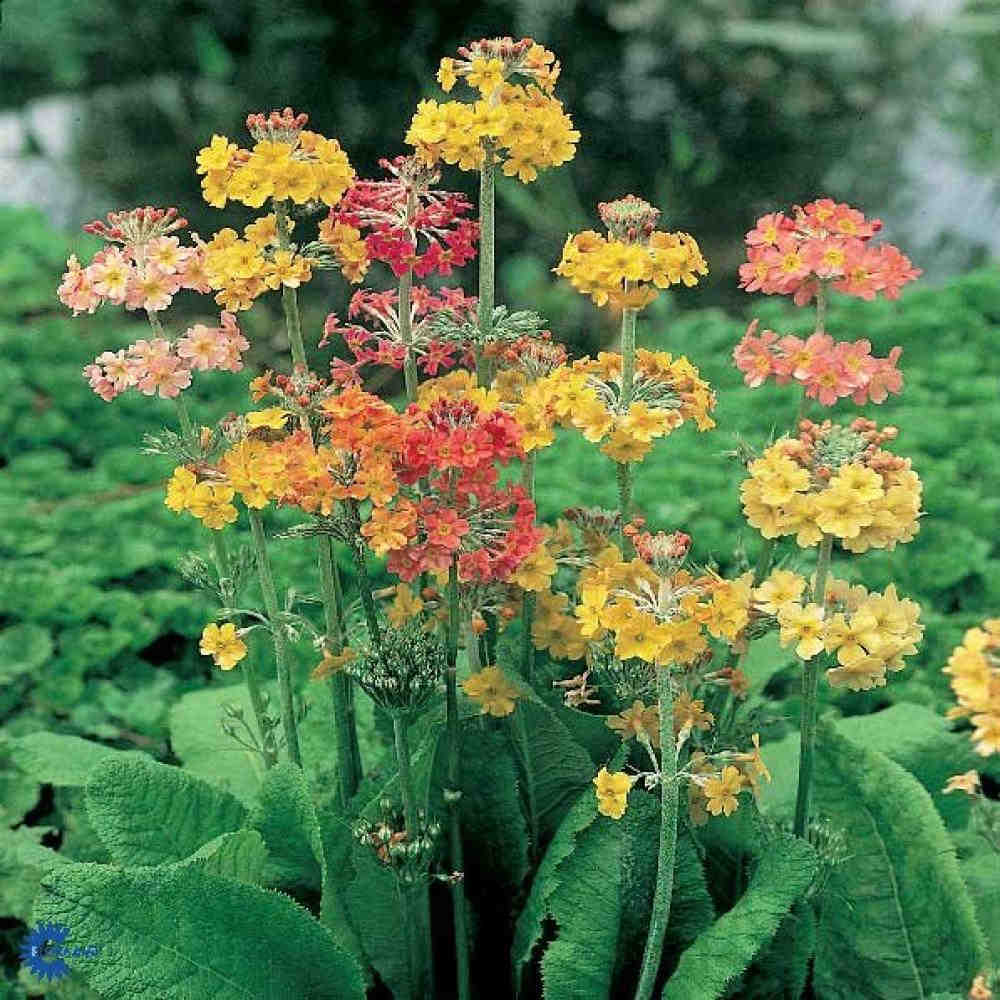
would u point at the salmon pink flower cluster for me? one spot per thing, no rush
(827, 369)
(400, 213)
(163, 367)
(823, 242)
(143, 267)
(385, 344)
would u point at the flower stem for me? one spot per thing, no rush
(487, 278)
(810, 707)
(289, 297)
(668, 840)
(280, 641)
(187, 426)
(405, 328)
(528, 601)
(364, 581)
(624, 470)
(343, 721)
(764, 563)
(453, 793)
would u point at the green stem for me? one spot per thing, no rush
(281, 650)
(487, 277)
(528, 601)
(520, 734)
(623, 469)
(364, 581)
(453, 792)
(810, 701)
(764, 563)
(347, 777)
(668, 841)
(289, 297)
(187, 426)
(405, 328)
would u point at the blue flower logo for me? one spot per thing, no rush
(35, 947)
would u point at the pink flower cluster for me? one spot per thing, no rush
(828, 369)
(164, 367)
(825, 241)
(138, 277)
(384, 345)
(399, 211)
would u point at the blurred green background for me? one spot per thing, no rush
(716, 110)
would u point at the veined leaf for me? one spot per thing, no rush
(180, 932)
(148, 814)
(897, 921)
(721, 954)
(63, 761)
(240, 855)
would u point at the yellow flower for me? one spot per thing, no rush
(623, 447)
(637, 721)
(780, 588)
(612, 790)
(861, 674)
(536, 570)
(689, 713)
(216, 156)
(251, 186)
(446, 74)
(492, 691)
(967, 782)
(803, 626)
(273, 418)
(213, 505)
(722, 790)
(180, 489)
(589, 611)
(640, 637)
(839, 512)
(223, 644)
(485, 75)
(405, 605)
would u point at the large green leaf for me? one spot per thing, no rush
(721, 954)
(205, 750)
(782, 969)
(148, 814)
(63, 761)
(897, 921)
(240, 855)
(23, 862)
(179, 932)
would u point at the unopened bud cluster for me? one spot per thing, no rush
(409, 853)
(404, 669)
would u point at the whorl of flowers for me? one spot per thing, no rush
(407, 224)
(827, 369)
(143, 267)
(239, 270)
(286, 163)
(870, 633)
(161, 366)
(823, 242)
(974, 668)
(383, 345)
(834, 480)
(404, 670)
(626, 267)
(666, 391)
(521, 123)
(455, 510)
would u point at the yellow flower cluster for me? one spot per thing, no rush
(211, 503)
(294, 165)
(239, 270)
(554, 628)
(223, 644)
(866, 499)
(974, 667)
(612, 788)
(588, 396)
(523, 124)
(256, 471)
(627, 275)
(348, 247)
(491, 690)
(871, 633)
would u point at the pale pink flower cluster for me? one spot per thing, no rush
(162, 367)
(828, 369)
(137, 277)
(825, 241)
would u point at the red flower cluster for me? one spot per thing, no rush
(822, 242)
(451, 450)
(384, 345)
(828, 369)
(397, 212)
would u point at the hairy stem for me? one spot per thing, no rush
(810, 699)
(453, 792)
(343, 721)
(281, 651)
(289, 297)
(668, 840)
(487, 278)
(528, 601)
(623, 469)
(405, 328)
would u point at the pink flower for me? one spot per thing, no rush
(754, 357)
(165, 253)
(166, 376)
(151, 289)
(767, 230)
(77, 288)
(118, 369)
(885, 379)
(825, 380)
(111, 273)
(856, 362)
(202, 347)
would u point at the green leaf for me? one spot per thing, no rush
(63, 761)
(204, 748)
(764, 659)
(286, 818)
(782, 969)
(981, 872)
(720, 954)
(23, 862)
(148, 814)
(897, 921)
(240, 855)
(180, 932)
(23, 648)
